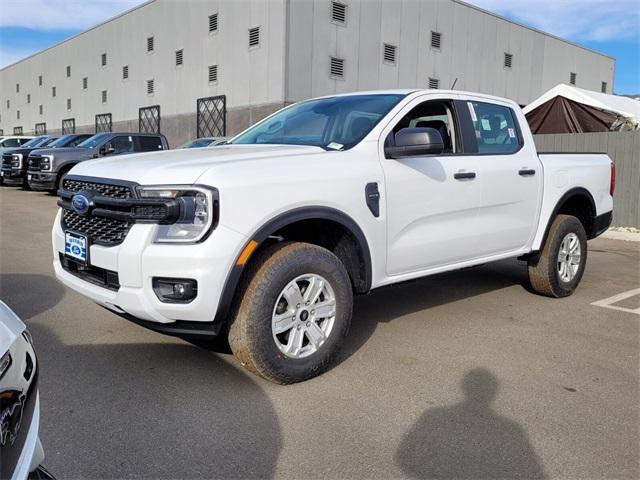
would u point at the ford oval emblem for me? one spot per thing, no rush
(80, 204)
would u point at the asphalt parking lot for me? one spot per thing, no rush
(462, 375)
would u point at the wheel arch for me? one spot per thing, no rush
(360, 273)
(577, 202)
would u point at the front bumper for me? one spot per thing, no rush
(12, 176)
(42, 180)
(137, 260)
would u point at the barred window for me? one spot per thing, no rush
(149, 44)
(149, 87)
(104, 96)
(179, 57)
(125, 72)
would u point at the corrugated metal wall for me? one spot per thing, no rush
(624, 150)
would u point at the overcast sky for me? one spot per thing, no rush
(608, 26)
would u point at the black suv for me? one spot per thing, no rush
(47, 167)
(14, 161)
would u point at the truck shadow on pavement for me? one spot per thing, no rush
(155, 410)
(389, 303)
(29, 294)
(469, 440)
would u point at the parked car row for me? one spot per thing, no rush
(40, 163)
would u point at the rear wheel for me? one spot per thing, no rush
(294, 313)
(559, 268)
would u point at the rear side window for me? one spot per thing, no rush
(495, 128)
(150, 144)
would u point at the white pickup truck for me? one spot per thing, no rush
(265, 240)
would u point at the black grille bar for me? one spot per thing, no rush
(133, 210)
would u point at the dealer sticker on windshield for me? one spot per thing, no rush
(75, 246)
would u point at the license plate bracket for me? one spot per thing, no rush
(76, 247)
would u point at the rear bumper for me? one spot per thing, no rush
(42, 180)
(600, 224)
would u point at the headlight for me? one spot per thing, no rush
(198, 212)
(45, 162)
(16, 160)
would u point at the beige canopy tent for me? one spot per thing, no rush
(567, 109)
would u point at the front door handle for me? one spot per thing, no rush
(464, 175)
(527, 172)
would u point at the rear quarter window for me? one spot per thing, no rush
(495, 128)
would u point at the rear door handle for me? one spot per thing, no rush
(464, 175)
(527, 172)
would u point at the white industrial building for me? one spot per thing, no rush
(213, 67)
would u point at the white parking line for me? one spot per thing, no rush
(609, 302)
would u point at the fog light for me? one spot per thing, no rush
(175, 290)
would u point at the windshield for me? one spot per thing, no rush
(336, 123)
(94, 141)
(201, 142)
(48, 142)
(62, 141)
(35, 142)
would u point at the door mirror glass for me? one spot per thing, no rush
(106, 149)
(415, 142)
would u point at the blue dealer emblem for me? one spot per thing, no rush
(80, 204)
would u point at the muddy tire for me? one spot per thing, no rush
(557, 270)
(293, 314)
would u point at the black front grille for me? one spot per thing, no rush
(103, 189)
(6, 160)
(92, 274)
(100, 230)
(34, 162)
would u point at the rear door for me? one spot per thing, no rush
(511, 175)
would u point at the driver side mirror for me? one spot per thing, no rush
(415, 142)
(106, 149)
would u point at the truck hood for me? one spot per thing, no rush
(68, 153)
(183, 166)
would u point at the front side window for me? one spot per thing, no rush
(495, 128)
(436, 114)
(334, 123)
(122, 144)
(11, 142)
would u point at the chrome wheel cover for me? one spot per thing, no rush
(303, 316)
(569, 257)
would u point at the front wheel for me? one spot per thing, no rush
(294, 313)
(559, 268)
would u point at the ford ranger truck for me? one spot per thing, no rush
(264, 241)
(49, 166)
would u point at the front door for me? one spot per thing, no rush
(432, 201)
